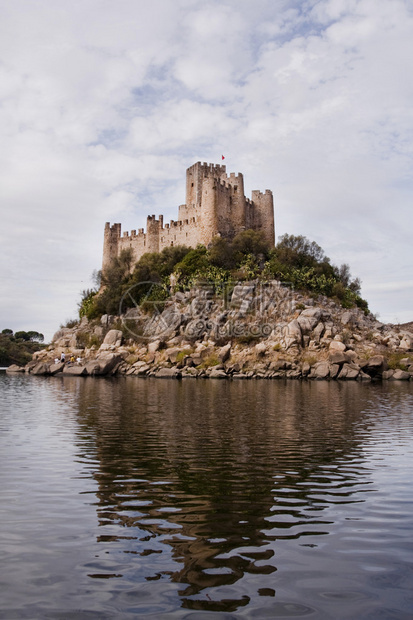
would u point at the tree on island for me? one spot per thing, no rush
(295, 260)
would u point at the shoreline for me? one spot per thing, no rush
(260, 330)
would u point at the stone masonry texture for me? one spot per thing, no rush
(215, 206)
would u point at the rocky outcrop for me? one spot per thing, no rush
(14, 368)
(262, 331)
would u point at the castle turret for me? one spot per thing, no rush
(215, 205)
(110, 243)
(195, 176)
(237, 211)
(264, 214)
(152, 234)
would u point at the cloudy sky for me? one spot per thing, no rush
(104, 104)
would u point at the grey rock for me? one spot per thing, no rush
(337, 357)
(196, 328)
(154, 346)
(241, 292)
(334, 371)
(76, 371)
(261, 348)
(321, 370)
(142, 370)
(164, 324)
(312, 313)
(93, 368)
(168, 373)
(336, 345)
(172, 354)
(318, 331)
(218, 374)
(309, 319)
(406, 343)
(107, 363)
(113, 337)
(40, 369)
(56, 368)
(349, 371)
(375, 366)
(292, 334)
(401, 375)
(15, 368)
(347, 318)
(224, 353)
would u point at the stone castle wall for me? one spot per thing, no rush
(215, 205)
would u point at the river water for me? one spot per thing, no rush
(128, 497)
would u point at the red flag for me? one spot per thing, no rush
(222, 157)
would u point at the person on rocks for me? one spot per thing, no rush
(63, 357)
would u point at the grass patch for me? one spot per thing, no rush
(394, 361)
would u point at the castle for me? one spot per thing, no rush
(215, 206)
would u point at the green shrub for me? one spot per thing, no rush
(394, 361)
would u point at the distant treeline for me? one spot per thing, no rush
(18, 347)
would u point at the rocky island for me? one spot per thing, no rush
(262, 331)
(211, 296)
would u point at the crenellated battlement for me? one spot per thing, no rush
(215, 205)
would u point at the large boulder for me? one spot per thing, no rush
(93, 368)
(242, 292)
(309, 319)
(196, 329)
(141, 369)
(336, 345)
(14, 368)
(165, 323)
(55, 368)
(292, 334)
(349, 371)
(260, 349)
(218, 373)
(154, 346)
(406, 342)
(401, 375)
(168, 373)
(76, 371)
(40, 369)
(337, 357)
(172, 354)
(321, 370)
(318, 331)
(347, 318)
(224, 353)
(104, 364)
(113, 338)
(375, 366)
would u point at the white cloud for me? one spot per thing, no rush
(103, 105)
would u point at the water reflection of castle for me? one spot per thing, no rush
(211, 470)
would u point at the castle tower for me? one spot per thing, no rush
(152, 233)
(264, 214)
(237, 207)
(215, 205)
(110, 243)
(195, 177)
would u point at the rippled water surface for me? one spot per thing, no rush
(259, 499)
